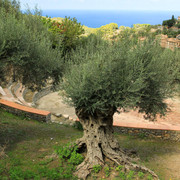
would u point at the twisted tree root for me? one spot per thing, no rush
(118, 156)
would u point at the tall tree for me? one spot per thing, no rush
(26, 50)
(171, 22)
(173, 19)
(107, 77)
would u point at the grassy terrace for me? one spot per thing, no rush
(27, 152)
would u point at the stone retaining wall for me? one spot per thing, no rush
(32, 113)
(42, 93)
(24, 92)
(151, 133)
(17, 86)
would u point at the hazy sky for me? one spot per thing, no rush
(171, 5)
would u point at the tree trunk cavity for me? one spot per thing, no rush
(100, 144)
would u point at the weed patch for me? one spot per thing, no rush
(97, 168)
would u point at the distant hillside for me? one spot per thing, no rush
(58, 19)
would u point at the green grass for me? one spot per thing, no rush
(31, 145)
(153, 154)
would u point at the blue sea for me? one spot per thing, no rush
(98, 18)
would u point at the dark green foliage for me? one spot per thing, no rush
(173, 19)
(107, 171)
(174, 66)
(140, 174)
(130, 175)
(169, 23)
(64, 151)
(16, 173)
(178, 25)
(124, 74)
(97, 168)
(69, 152)
(171, 33)
(75, 158)
(122, 175)
(158, 32)
(78, 125)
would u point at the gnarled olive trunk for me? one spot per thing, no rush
(100, 143)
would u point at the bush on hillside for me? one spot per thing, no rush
(68, 29)
(107, 30)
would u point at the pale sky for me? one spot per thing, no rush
(171, 5)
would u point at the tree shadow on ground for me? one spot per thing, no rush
(147, 148)
(15, 129)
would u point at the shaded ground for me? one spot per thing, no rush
(30, 145)
(29, 148)
(158, 155)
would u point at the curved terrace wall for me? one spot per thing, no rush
(42, 93)
(29, 112)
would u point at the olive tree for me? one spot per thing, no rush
(26, 52)
(106, 77)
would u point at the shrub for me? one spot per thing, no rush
(130, 175)
(122, 175)
(141, 175)
(97, 168)
(68, 29)
(75, 158)
(119, 168)
(107, 171)
(69, 152)
(149, 177)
